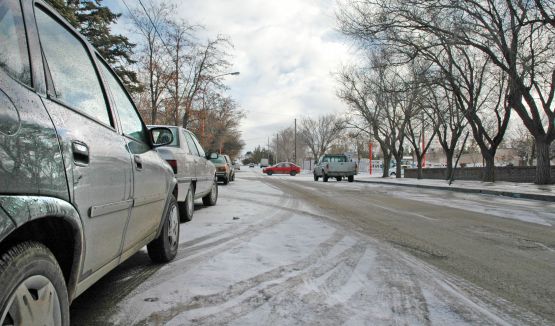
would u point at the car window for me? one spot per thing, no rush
(219, 159)
(191, 144)
(75, 80)
(130, 121)
(199, 148)
(14, 58)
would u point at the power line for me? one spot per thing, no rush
(151, 23)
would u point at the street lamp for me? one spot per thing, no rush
(235, 73)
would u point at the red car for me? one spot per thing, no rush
(283, 168)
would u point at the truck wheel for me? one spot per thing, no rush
(351, 178)
(316, 177)
(164, 248)
(33, 287)
(187, 208)
(212, 197)
(338, 178)
(325, 177)
(293, 173)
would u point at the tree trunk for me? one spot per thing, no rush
(489, 168)
(449, 155)
(386, 164)
(419, 175)
(543, 166)
(398, 167)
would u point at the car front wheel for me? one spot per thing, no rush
(33, 287)
(270, 172)
(164, 248)
(316, 177)
(212, 197)
(293, 173)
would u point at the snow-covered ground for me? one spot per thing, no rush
(262, 257)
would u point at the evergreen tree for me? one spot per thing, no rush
(94, 21)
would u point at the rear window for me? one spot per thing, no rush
(338, 158)
(219, 159)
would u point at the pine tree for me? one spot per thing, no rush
(94, 21)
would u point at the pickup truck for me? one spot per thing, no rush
(335, 166)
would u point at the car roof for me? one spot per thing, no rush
(167, 126)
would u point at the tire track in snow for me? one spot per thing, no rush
(240, 288)
(279, 294)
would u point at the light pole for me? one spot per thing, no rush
(235, 73)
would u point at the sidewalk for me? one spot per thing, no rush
(509, 189)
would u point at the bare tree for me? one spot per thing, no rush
(515, 36)
(318, 134)
(153, 62)
(447, 119)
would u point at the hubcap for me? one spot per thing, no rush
(173, 227)
(34, 302)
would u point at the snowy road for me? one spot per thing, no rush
(286, 250)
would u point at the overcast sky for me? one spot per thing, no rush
(286, 52)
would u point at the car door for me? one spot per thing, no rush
(286, 168)
(98, 165)
(150, 184)
(207, 176)
(200, 162)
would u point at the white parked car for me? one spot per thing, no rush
(195, 174)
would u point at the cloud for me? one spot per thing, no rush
(286, 52)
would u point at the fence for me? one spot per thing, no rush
(505, 173)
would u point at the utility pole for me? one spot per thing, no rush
(295, 154)
(277, 139)
(268, 149)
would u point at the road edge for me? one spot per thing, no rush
(511, 194)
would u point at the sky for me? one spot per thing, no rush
(286, 51)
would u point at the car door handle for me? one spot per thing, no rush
(138, 162)
(80, 153)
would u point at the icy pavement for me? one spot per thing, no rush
(262, 257)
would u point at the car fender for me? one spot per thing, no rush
(25, 209)
(172, 184)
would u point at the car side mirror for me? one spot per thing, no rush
(161, 136)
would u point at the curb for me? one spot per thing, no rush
(520, 195)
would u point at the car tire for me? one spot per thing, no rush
(226, 180)
(316, 177)
(338, 178)
(30, 267)
(293, 173)
(164, 248)
(270, 172)
(325, 178)
(212, 198)
(351, 178)
(187, 208)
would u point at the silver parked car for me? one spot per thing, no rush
(196, 175)
(82, 187)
